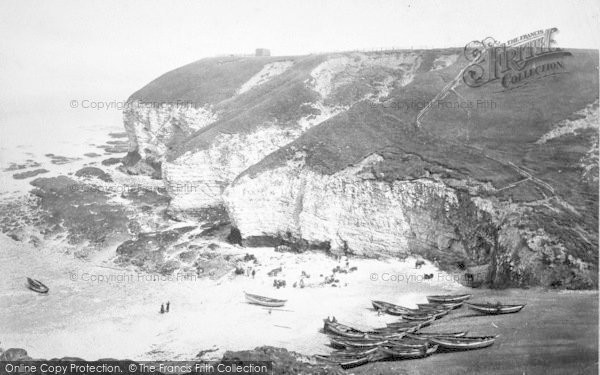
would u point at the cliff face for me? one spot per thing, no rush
(287, 100)
(154, 127)
(391, 154)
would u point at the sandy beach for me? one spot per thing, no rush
(94, 308)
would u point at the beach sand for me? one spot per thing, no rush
(556, 333)
(93, 311)
(96, 310)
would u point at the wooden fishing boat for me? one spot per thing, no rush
(37, 286)
(343, 330)
(400, 311)
(347, 343)
(495, 308)
(448, 298)
(398, 329)
(353, 353)
(350, 360)
(432, 309)
(407, 344)
(409, 326)
(406, 326)
(463, 343)
(264, 301)
(355, 362)
(393, 309)
(381, 305)
(403, 324)
(450, 306)
(428, 335)
(339, 329)
(398, 353)
(421, 317)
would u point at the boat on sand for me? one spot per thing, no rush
(448, 298)
(402, 353)
(264, 301)
(463, 343)
(331, 326)
(37, 286)
(450, 306)
(495, 308)
(428, 335)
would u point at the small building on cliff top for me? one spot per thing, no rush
(262, 52)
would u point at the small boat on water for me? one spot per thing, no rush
(264, 301)
(463, 343)
(495, 308)
(37, 286)
(448, 298)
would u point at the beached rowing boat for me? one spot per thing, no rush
(422, 317)
(402, 326)
(397, 310)
(448, 298)
(37, 286)
(495, 308)
(399, 353)
(264, 301)
(463, 343)
(417, 323)
(428, 335)
(349, 360)
(352, 353)
(339, 329)
(381, 305)
(406, 344)
(450, 306)
(348, 343)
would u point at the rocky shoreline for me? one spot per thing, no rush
(283, 361)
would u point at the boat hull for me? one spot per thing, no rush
(463, 343)
(409, 354)
(37, 286)
(264, 301)
(490, 309)
(450, 298)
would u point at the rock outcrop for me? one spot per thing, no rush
(391, 153)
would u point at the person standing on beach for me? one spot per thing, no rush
(162, 308)
(168, 304)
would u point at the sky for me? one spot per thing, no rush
(55, 51)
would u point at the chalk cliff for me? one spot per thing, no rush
(386, 153)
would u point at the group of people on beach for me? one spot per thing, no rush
(163, 309)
